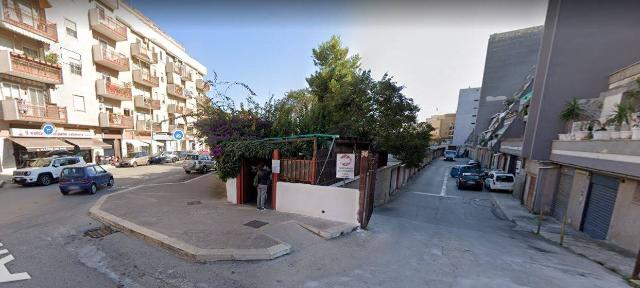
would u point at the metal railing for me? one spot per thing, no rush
(118, 90)
(41, 113)
(114, 57)
(30, 20)
(120, 121)
(112, 24)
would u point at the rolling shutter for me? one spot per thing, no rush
(602, 198)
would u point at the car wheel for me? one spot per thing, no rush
(110, 184)
(174, 160)
(203, 170)
(64, 192)
(135, 164)
(44, 180)
(187, 171)
(93, 189)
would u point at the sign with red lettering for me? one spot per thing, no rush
(345, 166)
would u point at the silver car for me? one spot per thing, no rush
(134, 159)
(199, 163)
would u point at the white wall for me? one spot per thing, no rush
(232, 191)
(332, 203)
(467, 107)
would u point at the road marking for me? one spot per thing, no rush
(436, 195)
(443, 192)
(5, 275)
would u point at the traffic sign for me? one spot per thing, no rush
(48, 129)
(178, 135)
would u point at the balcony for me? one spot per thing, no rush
(176, 91)
(112, 90)
(139, 51)
(143, 126)
(511, 147)
(202, 85)
(177, 109)
(186, 75)
(173, 67)
(29, 20)
(173, 78)
(615, 156)
(19, 65)
(110, 120)
(18, 110)
(146, 103)
(143, 77)
(112, 4)
(108, 57)
(156, 127)
(106, 25)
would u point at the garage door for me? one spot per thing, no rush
(602, 198)
(561, 199)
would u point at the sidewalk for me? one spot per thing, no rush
(602, 252)
(193, 220)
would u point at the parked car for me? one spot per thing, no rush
(200, 163)
(44, 171)
(474, 163)
(498, 180)
(163, 157)
(455, 171)
(470, 180)
(134, 159)
(450, 155)
(84, 178)
(182, 155)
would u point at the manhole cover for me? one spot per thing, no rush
(99, 232)
(194, 202)
(255, 223)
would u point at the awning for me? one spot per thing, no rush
(137, 143)
(89, 143)
(42, 144)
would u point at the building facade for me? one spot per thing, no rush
(105, 76)
(443, 127)
(466, 114)
(511, 56)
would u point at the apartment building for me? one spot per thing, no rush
(443, 127)
(466, 114)
(104, 75)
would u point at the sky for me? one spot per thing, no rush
(433, 48)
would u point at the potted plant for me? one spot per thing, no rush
(635, 128)
(571, 112)
(621, 118)
(600, 132)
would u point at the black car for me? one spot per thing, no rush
(470, 180)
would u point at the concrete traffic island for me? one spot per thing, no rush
(193, 220)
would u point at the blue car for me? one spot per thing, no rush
(84, 178)
(455, 171)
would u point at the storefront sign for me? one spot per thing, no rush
(345, 166)
(162, 137)
(275, 166)
(59, 133)
(178, 135)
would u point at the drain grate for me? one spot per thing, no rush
(194, 202)
(255, 224)
(99, 232)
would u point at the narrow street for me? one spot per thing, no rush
(432, 235)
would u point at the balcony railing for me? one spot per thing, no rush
(139, 51)
(177, 109)
(176, 90)
(174, 67)
(19, 110)
(143, 126)
(156, 127)
(143, 77)
(29, 20)
(19, 65)
(112, 90)
(110, 58)
(110, 120)
(202, 85)
(146, 103)
(186, 75)
(107, 25)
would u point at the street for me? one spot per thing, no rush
(431, 236)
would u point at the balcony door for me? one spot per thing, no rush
(37, 97)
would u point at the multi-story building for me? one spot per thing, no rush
(108, 79)
(511, 56)
(466, 114)
(443, 127)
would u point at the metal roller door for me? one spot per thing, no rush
(602, 198)
(561, 199)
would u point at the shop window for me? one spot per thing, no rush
(78, 103)
(71, 27)
(10, 91)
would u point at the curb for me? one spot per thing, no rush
(180, 248)
(332, 232)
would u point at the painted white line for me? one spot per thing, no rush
(443, 192)
(5, 275)
(436, 195)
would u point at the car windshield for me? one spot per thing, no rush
(504, 178)
(134, 155)
(41, 162)
(73, 172)
(468, 169)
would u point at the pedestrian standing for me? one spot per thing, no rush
(262, 182)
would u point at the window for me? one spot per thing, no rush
(161, 55)
(31, 52)
(75, 65)
(78, 103)
(91, 171)
(10, 91)
(99, 169)
(71, 27)
(37, 97)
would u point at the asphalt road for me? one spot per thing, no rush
(432, 235)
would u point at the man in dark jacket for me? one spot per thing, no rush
(263, 180)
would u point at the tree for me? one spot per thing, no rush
(295, 113)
